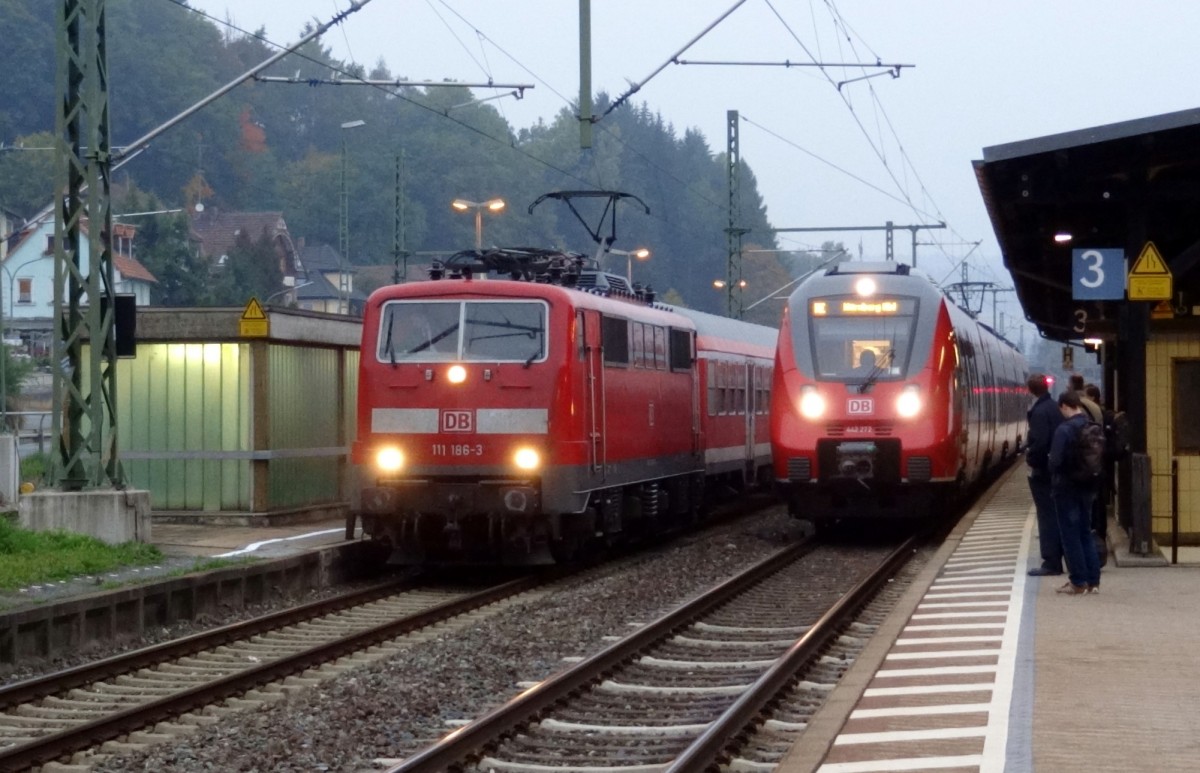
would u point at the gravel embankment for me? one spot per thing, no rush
(392, 708)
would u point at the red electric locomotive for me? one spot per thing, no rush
(887, 394)
(522, 420)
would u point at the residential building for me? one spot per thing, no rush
(328, 283)
(214, 233)
(27, 289)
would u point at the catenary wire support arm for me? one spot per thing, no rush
(889, 227)
(892, 69)
(119, 156)
(519, 92)
(140, 143)
(635, 88)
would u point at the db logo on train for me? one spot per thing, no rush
(458, 421)
(858, 405)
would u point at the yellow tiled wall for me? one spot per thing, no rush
(1161, 352)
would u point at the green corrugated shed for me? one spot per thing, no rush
(220, 427)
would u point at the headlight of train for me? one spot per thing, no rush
(812, 405)
(389, 459)
(908, 404)
(456, 374)
(527, 459)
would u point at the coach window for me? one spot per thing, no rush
(614, 333)
(638, 351)
(726, 398)
(681, 349)
(710, 368)
(1186, 430)
(660, 348)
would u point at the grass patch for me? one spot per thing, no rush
(29, 557)
(34, 468)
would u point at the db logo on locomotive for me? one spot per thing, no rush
(859, 406)
(458, 421)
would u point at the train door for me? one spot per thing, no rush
(588, 322)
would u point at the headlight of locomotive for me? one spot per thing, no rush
(908, 404)
(389, 459)
(812, 404)
(527, 459)
(456, 374)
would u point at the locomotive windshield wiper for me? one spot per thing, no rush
(389, 346)
(877, 371)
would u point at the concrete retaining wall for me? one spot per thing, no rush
(69, 626)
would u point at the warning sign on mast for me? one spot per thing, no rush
(254, 322)
(1150, 278)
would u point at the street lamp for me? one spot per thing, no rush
(344, 228)
(285, 291)
(641, 253)
(492, 205)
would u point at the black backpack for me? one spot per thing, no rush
(1087, 461)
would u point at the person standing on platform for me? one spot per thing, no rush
(1100, 506)
(1073, 499)
(1091, 408)
(1043, 418)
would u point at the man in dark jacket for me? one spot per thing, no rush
(1044, 416)
(1073, 500)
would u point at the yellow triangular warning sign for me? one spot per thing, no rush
(253, 310)
(1150, 262)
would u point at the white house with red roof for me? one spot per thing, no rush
(27, 276)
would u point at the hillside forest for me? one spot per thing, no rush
(269, 146)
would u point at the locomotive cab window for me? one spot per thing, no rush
(856, 339)
(442, 331)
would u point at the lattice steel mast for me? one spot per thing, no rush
(84, 398)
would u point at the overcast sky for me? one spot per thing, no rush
(881, 149)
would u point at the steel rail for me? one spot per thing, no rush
(471, 739)
(88, 735)
(61, 681)
(709, 747)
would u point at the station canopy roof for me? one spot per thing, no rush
(1115, 186)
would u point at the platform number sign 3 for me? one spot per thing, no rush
(1097, 274)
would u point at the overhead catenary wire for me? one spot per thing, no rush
(503, 141)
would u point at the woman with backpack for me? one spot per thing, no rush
(1074, 479)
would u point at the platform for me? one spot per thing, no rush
(983, 668)
(249, 541)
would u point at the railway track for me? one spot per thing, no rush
(672, 695)
(52, 717)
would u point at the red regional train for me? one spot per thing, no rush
(887, 395)
(529, 419)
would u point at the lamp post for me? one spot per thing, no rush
(492, 205)
(344, 228)
(641, 253)
(285, 291)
